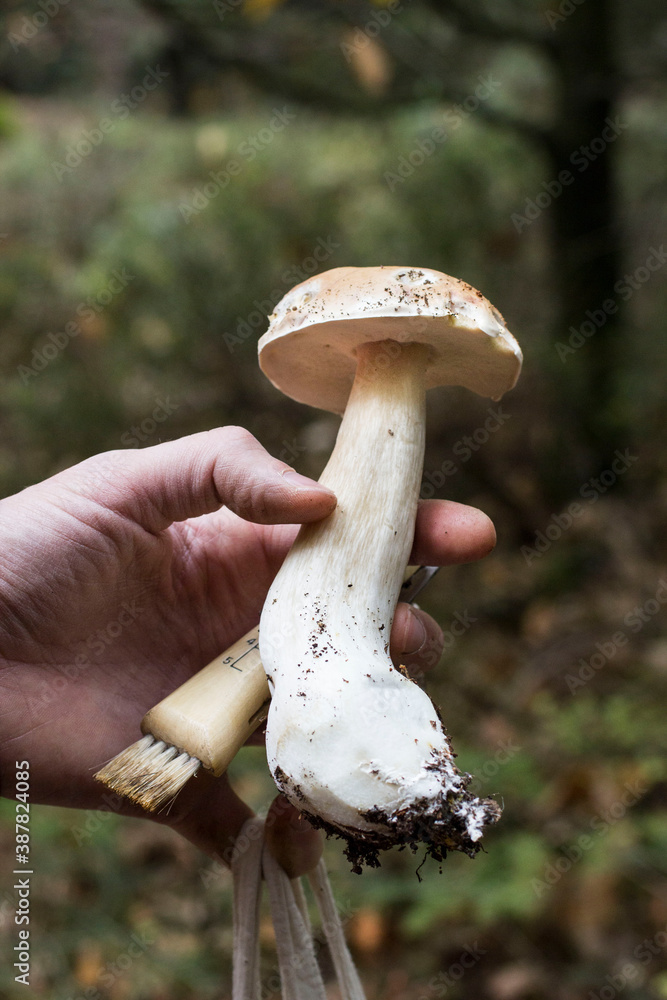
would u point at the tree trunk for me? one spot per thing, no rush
(586, 238)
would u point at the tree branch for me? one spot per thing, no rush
(272, 69)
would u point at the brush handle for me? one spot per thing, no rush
(213, 714)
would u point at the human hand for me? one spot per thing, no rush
(124, 575)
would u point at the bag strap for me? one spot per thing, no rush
(346, 973)
(247, 882)
(299, 972)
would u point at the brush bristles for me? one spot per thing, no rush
(149, 772)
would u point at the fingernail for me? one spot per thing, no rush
(299, 823)
(415, 633)
(300, 482)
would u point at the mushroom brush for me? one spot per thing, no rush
(355, 744)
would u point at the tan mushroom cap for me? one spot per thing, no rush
(308, 352)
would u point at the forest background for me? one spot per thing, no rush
(168, 170)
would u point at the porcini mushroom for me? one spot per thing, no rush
(351, 740)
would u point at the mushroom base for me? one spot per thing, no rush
(439, 825)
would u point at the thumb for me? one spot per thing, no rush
(197, 474)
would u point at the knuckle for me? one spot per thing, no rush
(232, 434)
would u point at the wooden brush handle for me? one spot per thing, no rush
(213, 714)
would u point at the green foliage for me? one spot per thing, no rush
(185, 321)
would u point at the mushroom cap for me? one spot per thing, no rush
(308, 352)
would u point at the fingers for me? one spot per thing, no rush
(447, 533)
(416, 640)
(294, 843)
(198, 474)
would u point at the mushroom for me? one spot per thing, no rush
(351, 740)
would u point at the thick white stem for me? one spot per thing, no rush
(349, 738)
(375, 471)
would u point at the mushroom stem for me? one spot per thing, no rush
(361, 550)
(351, 740)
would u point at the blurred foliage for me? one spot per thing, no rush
(174, 350)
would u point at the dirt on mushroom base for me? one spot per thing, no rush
(439, 826)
